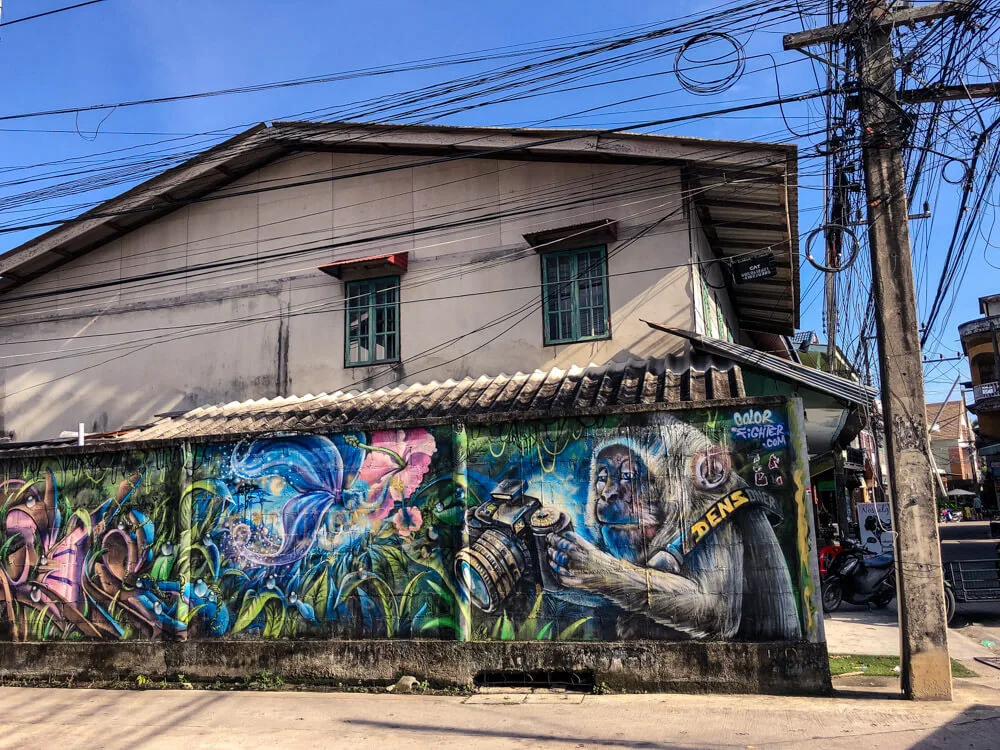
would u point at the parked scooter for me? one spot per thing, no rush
(859, 579)
(950, 516)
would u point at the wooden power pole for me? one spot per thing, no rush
(926, 668)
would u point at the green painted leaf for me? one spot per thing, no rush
(83, 516)
(506, 629)
(571, 630)
(440, 622)
(251, 609)
(5, 547)
(347, 586)
(447, 598)
(409, 591)
(274, 622)
(189, 616)
(388, 602)
(395, 564)
(162, 567)
(316, 594)
(530, 625)
(545, 634)
(213, 487)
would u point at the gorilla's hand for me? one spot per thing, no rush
(576, 562)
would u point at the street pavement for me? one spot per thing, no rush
(875, 632)
(975, 631)
(103, 719)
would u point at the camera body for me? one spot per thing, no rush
(507, 542)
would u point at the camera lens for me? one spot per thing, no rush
(490, 568)
(472, 581)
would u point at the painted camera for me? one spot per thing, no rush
(507, 542)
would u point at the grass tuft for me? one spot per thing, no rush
(882, 666)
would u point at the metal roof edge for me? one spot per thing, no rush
(817, 380)
(491, 130)
(142, 190)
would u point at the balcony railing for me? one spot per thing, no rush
(985, 391)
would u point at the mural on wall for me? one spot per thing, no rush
(642, 526)
(658, 528)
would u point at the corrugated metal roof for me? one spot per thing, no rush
(949, 420)
(533, 395)
(781, 369)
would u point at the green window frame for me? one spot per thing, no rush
(709, 319)
(575, 295)
(371, 332)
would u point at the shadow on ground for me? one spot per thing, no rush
(536, 738)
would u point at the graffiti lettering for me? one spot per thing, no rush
(752, 417)
(774, 435)
(716, 514)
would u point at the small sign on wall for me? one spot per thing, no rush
(875, 526)
(754, 268)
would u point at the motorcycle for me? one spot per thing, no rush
(859, 579)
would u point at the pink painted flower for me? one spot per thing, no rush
(407, 520)
(395, 466)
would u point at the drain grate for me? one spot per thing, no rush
(990, 661)
(565, 680)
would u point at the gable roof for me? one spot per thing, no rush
(950, 422)
(744, 192)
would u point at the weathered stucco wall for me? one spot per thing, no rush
(118, 354)
(677, 526)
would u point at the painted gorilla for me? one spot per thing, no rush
(734, 584)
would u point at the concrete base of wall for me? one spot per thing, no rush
(777, 668)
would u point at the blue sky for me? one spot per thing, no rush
(129, 49)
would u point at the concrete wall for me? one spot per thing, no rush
(667, 526)
(639, 666)
(119, 354)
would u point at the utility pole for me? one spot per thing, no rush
(926, 668)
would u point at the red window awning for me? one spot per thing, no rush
(393, 263)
